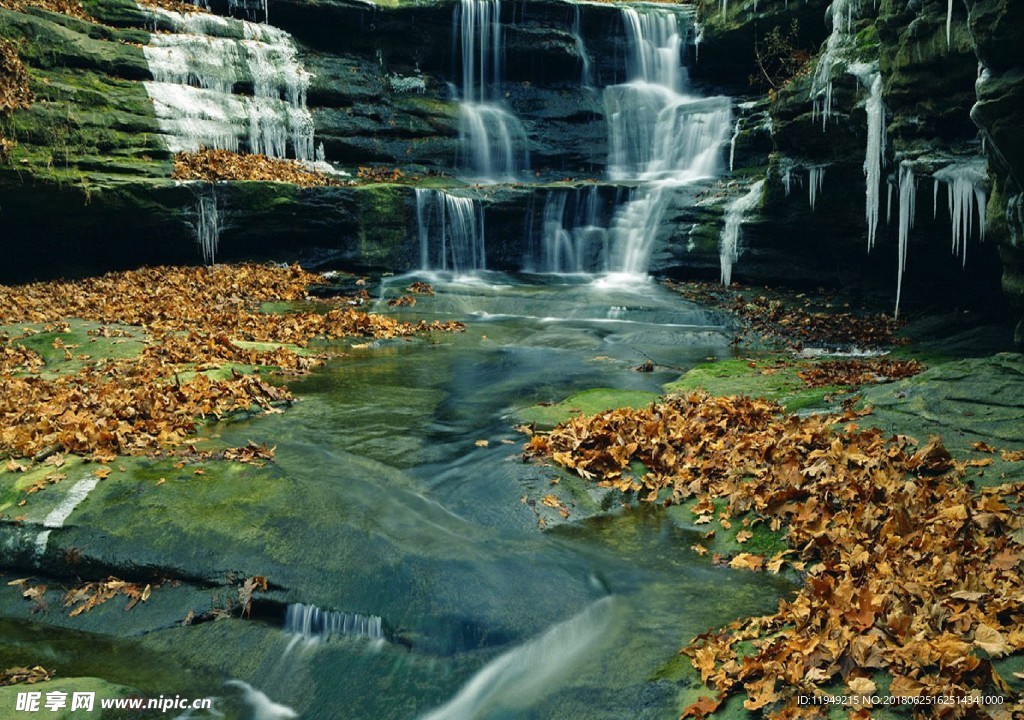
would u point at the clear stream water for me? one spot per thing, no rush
(394, 512)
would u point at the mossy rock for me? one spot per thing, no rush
(753, 378)
(587, 402)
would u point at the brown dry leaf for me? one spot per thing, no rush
(983, 447)
(699, 549)
(991, 641)
(102, 473)
(702, 708)
(747, 561)
(482, 443)
(26, 676)
(861, 686)
(1012, 455)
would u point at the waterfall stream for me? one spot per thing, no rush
(493, 144)
(199, 69)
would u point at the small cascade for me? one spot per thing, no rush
(207, 224)
(657, 133)
(198, 69)
(908, 209)
(735, 212)
(966, 190)
(451, 232)
(815, 181)
(574, 233)
(492, 142)
(523, 676)
(586, 77)
(308, 622)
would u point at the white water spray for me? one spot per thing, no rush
(523, 676)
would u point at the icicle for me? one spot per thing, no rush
(728, 249)
(787, 180)
(732, 145)
(815, 181)
(965, 184)
(874, 155)
(207, 221)
(725, 7)
(949, 24)
(908, 204)
(888, 204)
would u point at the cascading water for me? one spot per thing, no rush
(308, 622)
(199, 67)
(451, 232)
(492, 142)
(658, 134)
(573, 235)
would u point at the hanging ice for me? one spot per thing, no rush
(908, 209)
(815, 181)
(207, 224)
(728, 248)
(874, 155)
(965, 183)
(841, 12)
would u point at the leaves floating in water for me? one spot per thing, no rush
(93, 594)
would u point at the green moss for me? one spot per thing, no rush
(384, 221)
(90, 348)
(737, 377)
(587, 402)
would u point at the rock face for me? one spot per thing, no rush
(383, 90)
(946, 126)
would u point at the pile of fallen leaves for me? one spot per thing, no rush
(24, 675)
(62, 7)
(859, 372)
(380, 174)
(84, 598)
(908, 572)
(195, 319)
(799, 321)
(15, 93)
(175, 6)
(215, 165)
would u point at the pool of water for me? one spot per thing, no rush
(398, 516)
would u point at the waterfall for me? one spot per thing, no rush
(585, 75)
(197, 70)
(492, 142)
(965, 184)
(658, 134)
(728, 249)
(574, 233)
(451, 232)
(523, 676)
(732, 145)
